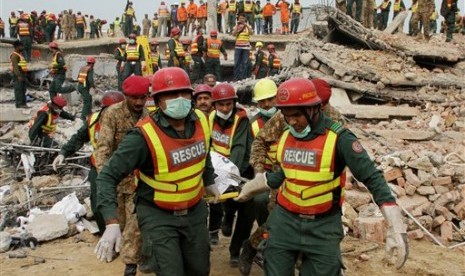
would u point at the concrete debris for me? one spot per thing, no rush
(5, 241)
(48, 227)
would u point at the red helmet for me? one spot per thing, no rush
(270, 46)
(90, 60)
(186, 41)
(52, 15)
(214, 33)
(34, 12)
(53, 45)
(134, 36)
(111, 97)
(322, 89)
(170, 79)
(202, 88)
(223, 91)
(175, 31)
(154, 42)
(59, 101)
(122, 41)
(297, 92)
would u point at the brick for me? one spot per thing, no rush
(438, 220)
(426, 190)
(446, 180)
(415, 234)
(412, 178)
(441, 189)
(410, 189)
(446, 231)
(440, 210)
(412, 202)
(356, 198)
(393, 174)
(459, 209)
(447, 197)
(399, 191)
(371, 228)
(401, 182)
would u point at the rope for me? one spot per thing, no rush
(453, 163)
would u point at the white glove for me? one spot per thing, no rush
(58, 161)
(212, 191)
(111, 239)
(396, 237)
(253, 187)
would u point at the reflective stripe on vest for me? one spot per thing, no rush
(51, 125)
(24, 29)
(188, 59)
(93, 127)
(222, 138)
(154, 22)
(309, 170)
(132, 52)
(178, 164)
(271, 152)
(154, 57)
(296, 8)
(243, 38)
(2, 25)
(179, 49)
(55, 63)
(163, 12)
(232, 6)
(195, 45)
(248, 7)
(82, 77)
(213, 48)
(80, 20)
(276, 61)
(22, 62)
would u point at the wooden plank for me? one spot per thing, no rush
(413, 135)
(377, 112)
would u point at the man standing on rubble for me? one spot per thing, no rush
(197, 52)
(424, 11)
(130, 16)
(172, 219)
(296, 10)
(24, 31)
(134, 57)
(115, 123)
(44, 123)
(58, 71)
(274, 62)
(215, 48)
(120, 56)
(242, 32)
(85, 83)
(89, 132)
(314, 152)
(268, 11)
(19, 69)
(358, 9)
(449, 10)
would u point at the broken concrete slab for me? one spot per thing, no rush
(16, 114)
(412, 135)
(5, 241)
(47, 227)
(378, 112)
(412, 202)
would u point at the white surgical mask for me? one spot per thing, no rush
(224, 116)
(301, 134)
(178, 108)
(268, 113)
(132, 41)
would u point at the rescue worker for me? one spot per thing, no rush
(274, 62)
(117, 26)
(414, 9)
(80, 25)
(268, 11)
(24, 31)
(176, 49)
(146, 25)
(285, 13)
(13, 22)
(182, 17)
(89, 132)
(220, 11)
(85, 83)
(130, 16)
(202, 15)
(258, 18)
(173, 227)
(433, 24)
(210, 80)
(248, 12)
(242, 32)
(155, 57)
(383, 16)
(231, 138)
(214, 48)
(163, 15)
(399, 7)
(296, 9)
(186, 43)
(197, 51)
(68, 25)
(424, 11)
(134, 58)
(2, 28)
(232, 10)
(18, 67)
(260, 68)
(115, 123)
(203, 100)
(120, 55)
(58, 71)
(315, 215)
(44, 123)
(448, 11)
(191, 17)
(50, 27)
(358, 9)
(154, 25)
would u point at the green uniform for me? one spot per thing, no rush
(449, 13)
(260, 69)
(198, 70)
(50, 30)
(174, 244)
(84, 88)
(213, 65)
(320, 235)
(72, 146)
(59, 78)
(26, 40)
(36, 134)
(174, 60)
(120, 57)
(19, 79)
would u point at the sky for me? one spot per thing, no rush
(109, 9)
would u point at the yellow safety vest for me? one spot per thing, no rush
(276, 61)
(155, 22)
(22, 62)
(309, 170)
(80, 20)
(243, 38)
(51, 125)
(117, 24)
(415, 7)
(82, 77)
(179, 49)
(55, 64)
(163, 12)
(132, 52)
(2, 25)
(232, 6)
(24, 29)
(130, 12)
(213, 48)
(178, 164)
(93, 128)
(13, 21)
(248, 7)
(297, 8)
(195, 45)
(154, 57)
(397, 5)
(222, 139)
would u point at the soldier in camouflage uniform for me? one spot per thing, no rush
(269, 135)
(425, 9)
(117, 120)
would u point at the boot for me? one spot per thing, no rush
(214, 239)
(246, 258)
(226, 228)
(130, 270)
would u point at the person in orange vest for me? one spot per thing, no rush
(296, 9)
(177, 53)
(85, 83)
(163, 15)
(314, 152)
(44, 123)
(24, 30)
(260, 68)
(155, 56)
(220, 11)
(202, 15)
(13, 21)
(58, 71)
(268, 11)
(285, 14)
(232, 10)
(172, 222)
(134, 58)
(274, 62)
(242, 32)
(182, 17)
(215, 48)
(80, 25)
(89, 132)
(18, 66)
(191, 17)
(2, 28)
(197, 51)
